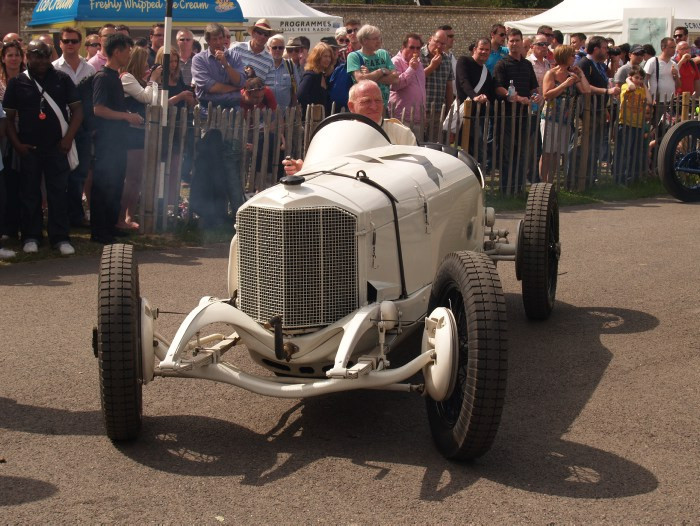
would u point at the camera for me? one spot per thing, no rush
(614, 51)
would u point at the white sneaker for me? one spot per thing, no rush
(6, 253)
(66, 249)
(30, 247)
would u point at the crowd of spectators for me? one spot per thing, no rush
(57, 155)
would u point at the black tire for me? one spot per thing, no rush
(464, 426)
(679, 151)
(119, 342)
(538, 251)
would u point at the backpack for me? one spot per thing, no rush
(341, 81)
(85, 91)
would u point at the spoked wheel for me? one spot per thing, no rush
(679, 161)
(464, 425)
(119, 342)
(537, 261)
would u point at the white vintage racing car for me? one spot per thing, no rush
(330, 271)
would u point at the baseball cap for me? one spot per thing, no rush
(331, 42)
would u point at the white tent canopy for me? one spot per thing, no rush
(292, 17)
(609, 18)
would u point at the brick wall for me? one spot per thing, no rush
(395, 21)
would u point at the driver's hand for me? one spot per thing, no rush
(292, 166)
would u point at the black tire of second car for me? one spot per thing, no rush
(464, 426)
(539, 251)
(667, 160)
(119, 343)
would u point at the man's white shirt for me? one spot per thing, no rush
(84, 69)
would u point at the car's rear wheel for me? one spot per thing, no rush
(464, 425)
(539, 250)
(679, 161)
(118, 342)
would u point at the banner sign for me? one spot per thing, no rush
(125, 11)
(305, 26)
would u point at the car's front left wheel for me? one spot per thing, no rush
(464, 425)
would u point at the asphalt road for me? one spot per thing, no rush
(600, 426)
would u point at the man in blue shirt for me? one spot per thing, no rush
(498, 50)
(217, 73)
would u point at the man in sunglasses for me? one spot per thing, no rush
(538, 58)
(100, 59)
(498, 49)
(70, 62)
(185, 38)
(77, 68)
(92, 45)
(253, 52)
(35, 98)
(680, 34)
(352, 26)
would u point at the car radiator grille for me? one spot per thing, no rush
(299, 263)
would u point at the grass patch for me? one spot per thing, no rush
(651, 187)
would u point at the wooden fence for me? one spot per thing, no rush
(574, 143)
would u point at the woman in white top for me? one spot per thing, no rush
(140, 88)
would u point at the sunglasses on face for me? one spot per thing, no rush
(343, 40)
(183, 39)
(259, 32)
(70, 41)
(277, 48)
(541, 44)
(94, 44)
(678, 36)
(352, 30)
(500, 34)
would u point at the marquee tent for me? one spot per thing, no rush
(291, 17)
(610, 18)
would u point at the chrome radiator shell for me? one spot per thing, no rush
(299, 263)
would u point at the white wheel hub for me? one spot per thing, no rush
(440, 338)
(147, 352)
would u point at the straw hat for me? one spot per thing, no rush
(261, 25)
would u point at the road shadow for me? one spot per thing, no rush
(48, 420)
(56, 272)
(21, 490)
(554, 369)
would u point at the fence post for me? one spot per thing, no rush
(152, 168)
(466, 125)
(585, 143)
(685, 106)
(164, 183)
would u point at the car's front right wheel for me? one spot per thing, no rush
(464, 425)
(119, 343)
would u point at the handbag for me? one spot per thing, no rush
(73, 160)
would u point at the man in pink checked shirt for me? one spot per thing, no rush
(409, 92)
